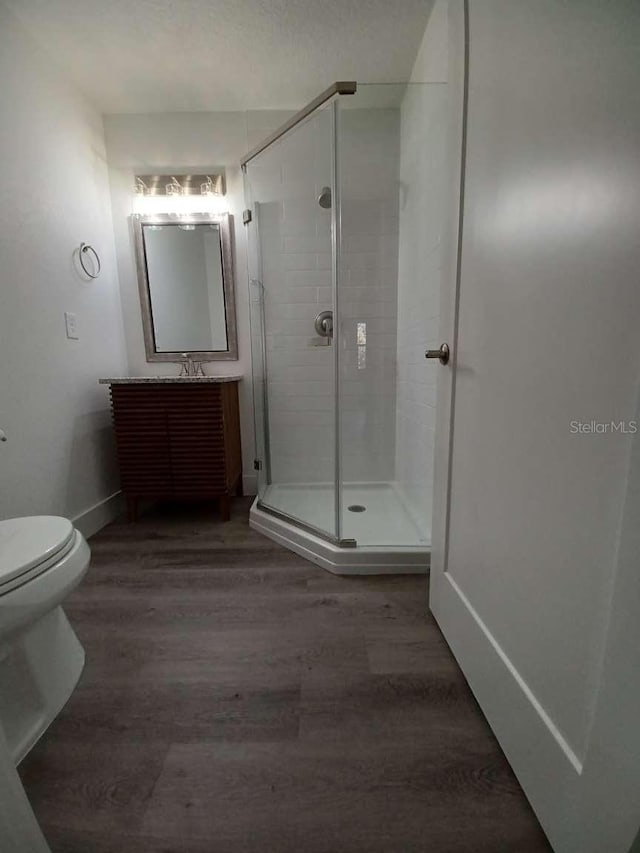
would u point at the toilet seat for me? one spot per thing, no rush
(29, 546)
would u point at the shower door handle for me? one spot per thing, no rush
(442, 353)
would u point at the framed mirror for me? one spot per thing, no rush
(185, 279)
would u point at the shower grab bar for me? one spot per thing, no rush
(340, 88)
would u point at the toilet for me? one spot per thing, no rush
(42, 559)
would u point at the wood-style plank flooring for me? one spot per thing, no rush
(238, 699)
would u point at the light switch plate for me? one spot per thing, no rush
(71, 322)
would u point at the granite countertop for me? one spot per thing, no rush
(179, 380)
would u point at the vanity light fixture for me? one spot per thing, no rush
(174, 187)
(178, 195)
(184, 185)
(208, 187)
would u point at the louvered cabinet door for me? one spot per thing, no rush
(196, 441)
(142, 439)
(178, 441)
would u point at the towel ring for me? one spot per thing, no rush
(84, 248)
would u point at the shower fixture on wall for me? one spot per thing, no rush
(324, 199)
(324, 325)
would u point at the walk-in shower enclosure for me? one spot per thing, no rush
(344, 222)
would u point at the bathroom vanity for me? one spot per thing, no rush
(177, 438)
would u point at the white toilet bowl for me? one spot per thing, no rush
(42, 559)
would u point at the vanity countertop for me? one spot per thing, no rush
(179, 380)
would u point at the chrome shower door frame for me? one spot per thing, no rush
(330, 97)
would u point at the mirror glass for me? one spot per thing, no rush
(186, 289)
(184, 263)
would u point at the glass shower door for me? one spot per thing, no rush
(289, 190)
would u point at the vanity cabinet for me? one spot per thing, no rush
(178, 440)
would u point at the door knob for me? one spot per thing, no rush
(442, 353)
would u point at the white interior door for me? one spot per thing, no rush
(535, 571)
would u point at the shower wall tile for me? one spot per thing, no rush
(299, 261)
(294, 388)
(307, 243)
(297, 277)
(287, 402)
(291, 295)
(295, 248)
(279, 359)
(284, 420)
(369, 159)
(308, 278)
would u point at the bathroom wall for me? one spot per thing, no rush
(432, 58)
(423, 176)
(189, 143)
(59, 456)
(301, 276)
(386, 411)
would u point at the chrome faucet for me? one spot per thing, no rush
(191, 367)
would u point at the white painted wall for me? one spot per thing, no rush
(69, 169)
(432, 59)
(59, 457)
(423, 187)
(299, 284)
(182, 143)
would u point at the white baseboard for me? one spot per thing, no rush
(104, 512)
(546, 765)
(99, 515)
(250, 484)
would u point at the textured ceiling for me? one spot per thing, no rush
(166, 55)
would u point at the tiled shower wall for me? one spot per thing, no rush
(369, 155)
(422, 196)
(295, 243)
(295, 265)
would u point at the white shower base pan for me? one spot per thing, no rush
(402, 548)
